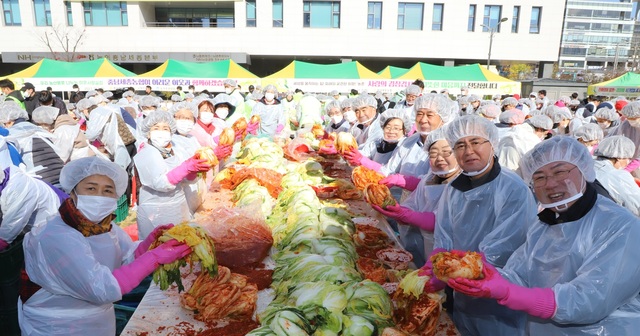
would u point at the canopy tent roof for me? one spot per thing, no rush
(391, 72)
(470, 73)
(624, 85)
(220, 69)
(47, 68)
(350, 70)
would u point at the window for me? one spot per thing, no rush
(410, 15)
(471, 23)
(42, 10)
(105, 13)
(436, 23)
(321, 14)
(251, 13)
(220, 17)
(67, 5)
(492, 16)
(515, 22)
(374, 16)
(536, 13)
(11, 10)
(277, 13)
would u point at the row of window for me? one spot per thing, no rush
(602, 27)
(593, 51)
(599, 14)
(595, 39)
(492, 17)
(96, 13)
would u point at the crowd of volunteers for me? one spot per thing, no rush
(547, 191)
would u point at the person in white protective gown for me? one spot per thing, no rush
(486, 209)
(419, 209)
(271, 113)
(577, 272)
(377, 153)
(489, 111)
(224, 108)
(165, 169)
(520, 139)
(71, 143)
(337, 122)
(103, 126)
(308, 112)
(411, 93)
(613, 155)
(589, 135)
(82, 261)
(608, 119)
(366, 128)
(631, 129)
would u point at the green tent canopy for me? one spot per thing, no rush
(627, 85)
(470, 73)
(391, 72)
(350, 70)
(47, 68)
(179, 69)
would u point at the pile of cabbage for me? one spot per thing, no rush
(261, 153)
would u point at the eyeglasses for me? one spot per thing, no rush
(541, 180)
(445, 154)
(475, 144)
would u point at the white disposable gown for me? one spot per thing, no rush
(630, 132)
(370, 150)
(620, 185)
(371, 133)
(514, 144)
(270, 117)
(493, 219)
(343, 127)
(194, 190)
(75, 273)
(592, 265)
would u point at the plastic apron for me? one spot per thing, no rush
(270, 117)
(75, 272)
(160, 202)
(195, 190)
(620, 185)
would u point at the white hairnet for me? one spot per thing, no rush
(616, 147)
(438, 103)
(192, 107)
(535, 112)
(433, 137)
(541, 121)
(189, 96)
(148, 101)
(226, 99)
(334, 93)
(589, 132)
(45, 115)
(97, 99)
(364, 100)
(472, 125)
(91, 93)
(271, 88)
(464, 100)
(256, 95)
(560, 114)
(514, 117)
(155, 118)
(11, 111)
(103, 124)
(525, 101)
(489, 110)
(412, 89)
(231, 82)
(565, 99)
(128, 94)
(607, 113)
(77, 170)
(631, 110)
(176, 98)
(473, 98)
(70, 106)
(510, 101)
(84, 104)
(108, 94)
(394, 113)
(558, 149)
(347, 103)
(332, 105)
(574, 102)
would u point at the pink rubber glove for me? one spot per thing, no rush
(145, 244)
(353, 157)
(3, 245)
(423, 220)
(223, 152)
(633, 165)
(538, 302)
(407, 182)
(186, 170)
(129, 276)
(252, 128)
(279, 128)
(434, 283)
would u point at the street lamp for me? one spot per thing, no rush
(492, 30)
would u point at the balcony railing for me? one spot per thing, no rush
(191, 24)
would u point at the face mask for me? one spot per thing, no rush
(366, 121)
(604, 125)
(77, 90)
(392, 141)
(192, 91)
(424, 133)
(222, 112)
(481, 171)
(562, 205)
(96, 208)
(445, 172)
(590, 148)
(206, 117)
(634, 123)
(350, 116)
(337, 119)
(184, 126)
(160, 138)
(228, 90)
(269, 96)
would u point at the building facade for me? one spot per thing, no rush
(267, 34)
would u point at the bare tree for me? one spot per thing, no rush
(63, 41)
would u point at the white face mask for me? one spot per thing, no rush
(604, 125)
(445, 172)
(228, 90)
(561, 205)
(481, 171)
(160, 138)
(590, 148)
(350, 116)
(206, 117)
(634, 123)
(222, 112)
(424, 133)
(184, 126)
(366, 121)
(269, 96)
(336, 119)
(96, 208)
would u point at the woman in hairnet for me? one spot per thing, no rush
(71, 142)
(490, 112)
(486, 209)
(207, 126)
(271, 113)
(81, 260)
(377, 153)
(348, 111)
(520, 139)
(224, 109)
(419, 208)
(613, 155)
(631, 129)
(608, 119)
(164, 168)
(337, 123)
(366, 128)
(577, 272)
(561, 118)
(589, 135)
(107, 131)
